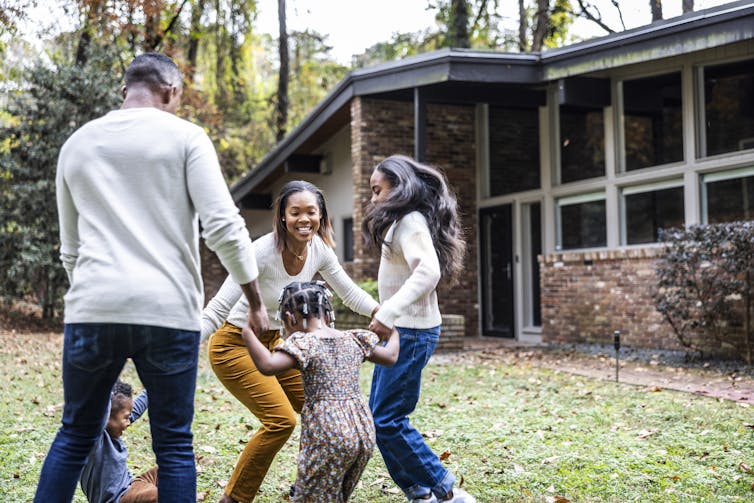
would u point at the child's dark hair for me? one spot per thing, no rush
(423, 188)
(304, 299)
(121, 391)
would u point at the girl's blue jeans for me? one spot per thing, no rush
(93, 357)
(414, 467)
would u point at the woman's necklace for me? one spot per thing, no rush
(300, 257)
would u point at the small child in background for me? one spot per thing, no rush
(105, 477)
(337, 430)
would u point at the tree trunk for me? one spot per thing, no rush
(282, 101)
(459, 29)
(542, 24)
(85, 38)
(688, 6)
(656, 6)
(152, 36)
(523, 27)
(193, 46)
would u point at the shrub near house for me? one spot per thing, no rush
(705, 282)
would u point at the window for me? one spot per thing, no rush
(728, 107)
(514, 150)
(729, 196)
(348, 239)
(582, 143)
(652, 121)
(582, 222)
(651, 208)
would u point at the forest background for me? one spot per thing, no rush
(246, 87)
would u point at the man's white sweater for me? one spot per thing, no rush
(132, 187)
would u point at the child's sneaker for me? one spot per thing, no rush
(460, 496)
(429, 499)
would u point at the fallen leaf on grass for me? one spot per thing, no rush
(654, 389)
(445, 455)
(432, 434)
(748, 425)
(549, 460)
(742, 465)
(713, 469)
(647, 433)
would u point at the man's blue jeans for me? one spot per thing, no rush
(93, 357)
(395, 392)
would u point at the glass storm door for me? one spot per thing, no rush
(497, 271)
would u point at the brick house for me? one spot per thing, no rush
(566, 163)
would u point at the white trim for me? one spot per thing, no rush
(581, 198)
(650, 187)
(728, 175)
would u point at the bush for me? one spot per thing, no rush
(53, 100)
(345, 319)
(705, 286)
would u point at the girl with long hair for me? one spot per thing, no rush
(413, 219)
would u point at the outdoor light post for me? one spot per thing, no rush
(616, 345)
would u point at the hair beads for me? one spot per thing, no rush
(305, 299)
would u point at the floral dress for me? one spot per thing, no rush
(337, 429)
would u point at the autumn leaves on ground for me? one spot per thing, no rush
(512, 431)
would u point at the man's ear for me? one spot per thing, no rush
(123, 92)
(167, 93)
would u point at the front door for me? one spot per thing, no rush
(497, 271)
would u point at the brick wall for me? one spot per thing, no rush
(588, 295)
(213, 272)
(451, 339)
(380, 128)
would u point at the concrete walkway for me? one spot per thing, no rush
(652, 375)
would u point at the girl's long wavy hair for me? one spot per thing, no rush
(278, 211)
(423, 188)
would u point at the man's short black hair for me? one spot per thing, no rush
(154, 70)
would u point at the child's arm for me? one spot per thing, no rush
(141, 402)
(267, 363)
(387, 355)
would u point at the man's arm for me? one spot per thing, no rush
(258, 321)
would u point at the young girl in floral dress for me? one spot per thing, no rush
(337, 430)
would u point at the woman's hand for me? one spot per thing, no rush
(382, 331)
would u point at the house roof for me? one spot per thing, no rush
(443, 75)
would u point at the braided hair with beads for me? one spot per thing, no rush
(306, 298)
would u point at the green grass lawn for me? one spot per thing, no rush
(509, 433)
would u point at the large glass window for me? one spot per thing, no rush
(649, 209)
(652, 125)
(729, 196)
(582, 221)
(582, 143)
(348, 239)
(729, 107)
(514, 150)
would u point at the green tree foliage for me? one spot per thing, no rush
(56, 99)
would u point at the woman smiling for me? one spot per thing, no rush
(299, 247)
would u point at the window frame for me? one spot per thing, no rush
(675, 183)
